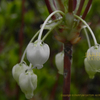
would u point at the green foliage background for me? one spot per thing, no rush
(50, 84)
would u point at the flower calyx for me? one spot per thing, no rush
(69, 30)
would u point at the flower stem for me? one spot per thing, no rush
(87, 9)
(70, 6)
(59, 5)
(67, 71)
(21, 37)
(95, 41)
(87, 37)
(80, 7)
(21, 29)
(49, 8)
(50, 31)
(26, 47)
(41, 31)
(74, 4)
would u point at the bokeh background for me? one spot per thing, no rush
(13, 43)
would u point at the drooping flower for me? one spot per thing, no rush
(38, 54)
(59, 61)
(89, 69)
(92, 61)
(18, 69)
(28, 83)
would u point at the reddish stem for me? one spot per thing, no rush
(80, 7)
(70, 6)
(20, 42)
(21, 30)
(67, 71)
(74, 4)
(87, 9)
(54, 88)
(49, 8)
(61, 6)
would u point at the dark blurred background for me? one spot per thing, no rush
(16, 30)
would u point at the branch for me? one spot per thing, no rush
(54, 88)
(20, 43)
(87, 9)
(74, 4)
(49, 8)
(21, 30)
(60, 5)
(80, 7)
(67, 71)
(70, 6)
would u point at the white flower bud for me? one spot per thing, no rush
(59, 61)
(92, 61)
(17, 70)
(28, 83)
(38, 54)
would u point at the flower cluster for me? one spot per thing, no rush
(92, 63)
(38, 52)
(92, 60)
(25, 78)
(37, 55)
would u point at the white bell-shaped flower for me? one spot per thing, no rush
(59, 61)
(89, 69)
(28, 83)
(18, 69)
(92, 60)
(38, 54)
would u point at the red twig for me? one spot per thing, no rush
(70, 6)
(74, 4)
(87, 9)
(21, 29)
(61, 6)
(67, 71)
(20, 42)
(49, 8)
(80, 7)
(54, 88)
